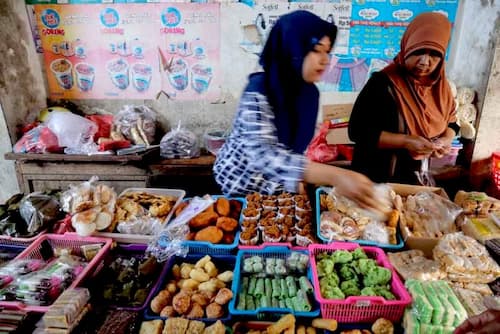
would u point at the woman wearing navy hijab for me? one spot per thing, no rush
(277, 114)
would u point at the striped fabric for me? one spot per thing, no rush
(252, 159)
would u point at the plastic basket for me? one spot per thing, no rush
(273, 244)
(141, 238)
(68, 242)
(360, 308)
(496, 169)
(137, 251)
(204, 247)
(14, 241)
(277, 252)
(222, 263)
(324, 190)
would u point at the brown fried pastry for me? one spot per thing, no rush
(223, 207)
(235, 208)
(195, 327)
(223, 296)
(181, 302)
(196, 311)
(203, 220)
(227, 224)
(211, 234)
(214, 311)
(175, 326)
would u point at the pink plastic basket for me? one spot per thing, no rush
(360, 308)
(67, 241)
(13, 241)
(268, 244)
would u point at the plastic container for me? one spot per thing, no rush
(448, 160)
(271, 244)
(22, 242)
(68, 241)
(214, 139)
(323, 190)
(137, 251)
(495, 157)
(142, 238)
(360, 308)
(204, 247)
(277, 252)
(222, 263)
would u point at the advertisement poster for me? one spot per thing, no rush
(189, 40)
(117, 51)
(377, 26)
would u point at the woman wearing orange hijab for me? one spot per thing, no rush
(406, 112)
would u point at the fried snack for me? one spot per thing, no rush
(235, 208)
(227, 224)
(191, 236)
(199, 275)
(223, 296)
(181, 302)
(216, 328)
(180, 207)
(356, 331)
(160, 301)
(203, 219)
(168, 311)
(228, 238)
(175, 326)
(151, 327)
(211, 234)
(393, 218)
(329, 324)
(200, 299)
(196, 311)
(382, 326)
(223, 207)
(284, 323)
(195, 327)
(214, 311)
(160, 209)
(301, 330)
(310, 330)
(226, 276)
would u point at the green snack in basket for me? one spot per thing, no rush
(449, 314)
(305, 285)
(364, 266)
(342, 256)
(368, 291)
(265, 301)
(359, 253)
(275, 303)
(302, 302)
(259, 288)
(249, 303)
(377, 276)
(252, 285)
(350, 288)
(461, 313)
(284, 289)
(268, 285)
(420, 303)
(276, 288)
(437, 307)
(331, 280)
(325, 267)
(331, 292)
(384, 291)
(241, 301)
(289, 303)
(347, 272)
(244, 284)
(282, 303)
(410, 322)
(292, 287)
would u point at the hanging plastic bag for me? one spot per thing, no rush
(74, 132)
(319, 150)
(37, 140)
(169, 242)
(39, 210)
(179, 143)
(137, 124)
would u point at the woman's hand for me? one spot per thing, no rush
(487, 322)
(419, 147)
(358, 188)
(443, 144)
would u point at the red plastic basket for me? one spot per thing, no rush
(496, 169)
(67, 241)
(360, 308)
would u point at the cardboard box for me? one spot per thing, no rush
(335, 111)
(338, 136)
(424, 244)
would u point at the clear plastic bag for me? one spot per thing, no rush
(74, 132)
(169, 241)
(37, 140)
(137, 124)
(179, 143)
(38, 210)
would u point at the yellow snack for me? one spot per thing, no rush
(286, 322)
(329, 324)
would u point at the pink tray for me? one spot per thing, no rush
(267, 244)
(360, 308)
(63, 241)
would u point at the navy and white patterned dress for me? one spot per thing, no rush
(252, 159)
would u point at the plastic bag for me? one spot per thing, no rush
(137, 123)
(169, 242)
(319, 150)
(74, 132)
(104, 124)
(179, 143)
(37, 140)
(38, 210)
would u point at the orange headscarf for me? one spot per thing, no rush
(426, 104)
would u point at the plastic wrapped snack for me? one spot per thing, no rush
(179, 143)
(137, 123)
(413, 264)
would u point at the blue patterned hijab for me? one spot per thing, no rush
(294, 102)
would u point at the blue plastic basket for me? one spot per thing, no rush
(204, 247)
(280, 252)
(325, 190)
(222, 262)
